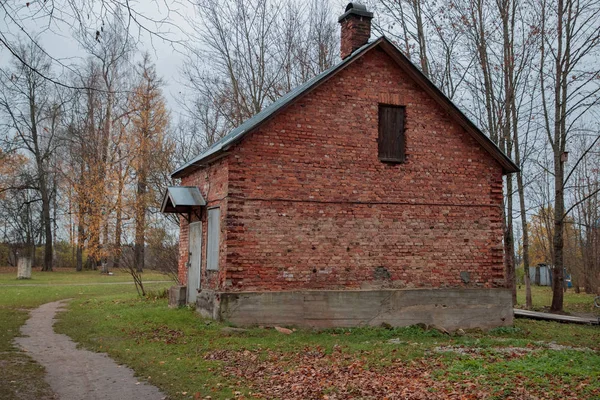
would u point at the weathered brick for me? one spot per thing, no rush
(306, 203)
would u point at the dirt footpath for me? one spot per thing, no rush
(76, 374)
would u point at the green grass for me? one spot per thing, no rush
(573, 302)
(173, 347)
(63, 276)
(187, 356)
(21, 377)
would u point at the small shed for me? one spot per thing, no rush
(362, 196)
(541, 275)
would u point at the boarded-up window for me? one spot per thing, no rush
(391, 140)
(214, 229)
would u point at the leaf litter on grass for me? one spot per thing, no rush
(315, 374)
(161, 333)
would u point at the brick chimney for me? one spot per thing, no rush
(356, 28)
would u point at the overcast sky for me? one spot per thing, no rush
(59, 42)
(57, 38)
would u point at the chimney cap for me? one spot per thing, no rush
(355, 9)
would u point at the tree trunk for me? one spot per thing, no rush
(558, 238)
(522, 209)
(42, 181)
(79, 257)
(140, 224)
(560, 113)
(509, 246)
(525, 230)
(421, 37)
(588, 259)
(106, 247)
(119, 222)
(47, 221)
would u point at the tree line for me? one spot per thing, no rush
(92, 150)
(85, 163)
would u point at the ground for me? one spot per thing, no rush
(188, 357)
(82, 374)
(21, 377)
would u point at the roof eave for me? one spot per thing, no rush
(198, 164)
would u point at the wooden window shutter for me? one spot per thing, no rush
(391, 141)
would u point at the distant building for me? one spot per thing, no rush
(541, 275)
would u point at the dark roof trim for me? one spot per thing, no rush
(269, 112)
(181, 199)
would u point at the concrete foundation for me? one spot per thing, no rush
(177, 296)
(445, 308)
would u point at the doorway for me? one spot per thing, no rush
(195, 252)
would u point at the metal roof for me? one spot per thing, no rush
(237, 133)
(180, 199)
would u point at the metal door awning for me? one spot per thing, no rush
(182, 199)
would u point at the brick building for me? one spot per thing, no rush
(363, 196)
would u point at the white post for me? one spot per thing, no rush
(24, 268)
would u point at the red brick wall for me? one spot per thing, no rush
(310, 206)
(213, 184)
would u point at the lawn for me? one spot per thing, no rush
(21, 377)
(189, 357)
(575, 303)
(61, 276)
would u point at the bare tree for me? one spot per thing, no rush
(32, 113)
(24, 22)
(586, 187)
(252, 53)
(405, 22)
(107, 94)
(569, 88)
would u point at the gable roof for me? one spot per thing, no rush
(223, 144)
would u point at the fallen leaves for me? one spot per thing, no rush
(313, 373)
(161, 333)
